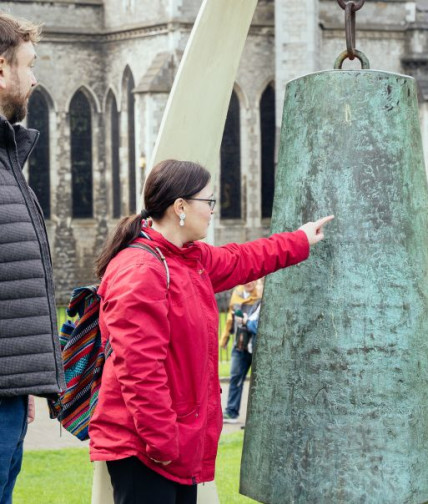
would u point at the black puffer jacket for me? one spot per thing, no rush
(30, 360)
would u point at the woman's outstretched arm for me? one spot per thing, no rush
(235, 264)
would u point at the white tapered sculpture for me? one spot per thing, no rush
(193, 123)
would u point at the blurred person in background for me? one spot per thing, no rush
(242, 300)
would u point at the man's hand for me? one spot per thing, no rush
(31, 415)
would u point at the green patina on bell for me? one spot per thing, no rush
(339, 392)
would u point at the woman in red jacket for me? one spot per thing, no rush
(159, 418)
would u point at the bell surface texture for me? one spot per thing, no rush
(339, 389)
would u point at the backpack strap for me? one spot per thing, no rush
(81, 298)
(158, 254)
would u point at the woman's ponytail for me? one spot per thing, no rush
(126, 232)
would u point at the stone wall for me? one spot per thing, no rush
(96, 45)
(61, 15)
(130, 13)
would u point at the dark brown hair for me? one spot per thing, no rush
(13, 32)
(167, 181)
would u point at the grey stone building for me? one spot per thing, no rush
(105, 69)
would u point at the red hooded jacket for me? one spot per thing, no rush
(160, 392)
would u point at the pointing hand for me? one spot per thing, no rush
(314, 230)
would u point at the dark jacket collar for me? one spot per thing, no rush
(23, 139)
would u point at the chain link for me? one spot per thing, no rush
(350, 7)
(365, 64)
(357, 4)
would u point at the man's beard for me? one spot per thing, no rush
(15, 108)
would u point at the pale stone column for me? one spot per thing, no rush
(251, 165)
(124, 156)
(64, 244)
(154, 105)
(149, 109)
(101, 197)
(297, 41)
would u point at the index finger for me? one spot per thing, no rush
(320, 222)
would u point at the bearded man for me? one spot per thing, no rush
(30, 361)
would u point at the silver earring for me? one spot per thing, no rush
(182, 217)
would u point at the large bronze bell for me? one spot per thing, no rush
(339, 391)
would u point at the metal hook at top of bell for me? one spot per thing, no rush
(350, 7)
(356, 4)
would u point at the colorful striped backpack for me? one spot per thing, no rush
(83, 356)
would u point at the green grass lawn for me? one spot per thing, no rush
(65, 476)
(54, 477)
(227, 469)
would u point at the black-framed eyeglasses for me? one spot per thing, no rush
(211, 201)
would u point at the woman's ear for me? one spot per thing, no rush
(179, 206)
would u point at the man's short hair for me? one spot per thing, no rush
(14, 31)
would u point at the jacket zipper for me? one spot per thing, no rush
(28, 200)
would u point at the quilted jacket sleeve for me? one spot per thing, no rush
(135, 312)
(234, 264)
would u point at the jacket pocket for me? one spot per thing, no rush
(186, 410)
(190, 441)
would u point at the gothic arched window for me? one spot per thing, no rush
(114, 154)
(230, 177)
(131, 142)
(39, 165)
(81, 155)
(267, 133)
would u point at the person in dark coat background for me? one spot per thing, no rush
(30, 360)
